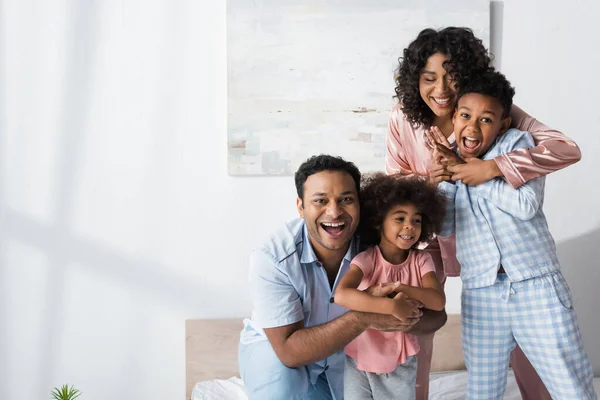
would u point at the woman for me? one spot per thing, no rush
(431, 68)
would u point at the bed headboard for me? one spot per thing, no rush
(211, 347)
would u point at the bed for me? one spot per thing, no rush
(212, 372)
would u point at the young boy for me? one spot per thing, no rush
(513, 290)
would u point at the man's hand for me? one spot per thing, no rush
(475, 171)
(389, 323)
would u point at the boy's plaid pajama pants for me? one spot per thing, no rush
(538, 315)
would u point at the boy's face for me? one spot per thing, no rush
(477, 122)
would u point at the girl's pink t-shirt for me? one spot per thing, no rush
(377, 351)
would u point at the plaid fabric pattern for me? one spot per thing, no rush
(538, 315)
(498, 225)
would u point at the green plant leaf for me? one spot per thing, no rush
(65, 393)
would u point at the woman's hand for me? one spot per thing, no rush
(435, 136)
(475, 171)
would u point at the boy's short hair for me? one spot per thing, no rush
(490, 83)
(324, 162)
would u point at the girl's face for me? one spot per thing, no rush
(401, 227)
(436, 87)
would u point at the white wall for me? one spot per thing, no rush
(118, 220)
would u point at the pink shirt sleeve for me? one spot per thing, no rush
(553, 151)
(366, 262)
(448, 254)
(395, 155)
(425, 263)
(406, 150)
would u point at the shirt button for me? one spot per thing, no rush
(326, 368)
(331, 300)
(319, 264)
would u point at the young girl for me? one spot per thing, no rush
(397, 214)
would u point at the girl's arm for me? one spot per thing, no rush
(553, 151)
(348, 295)
(431, 295)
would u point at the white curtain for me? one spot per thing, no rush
(112, 126)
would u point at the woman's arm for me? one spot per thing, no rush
(395, 158)
(553, 151)
(431, 294)
(347, 295)
(449, 192)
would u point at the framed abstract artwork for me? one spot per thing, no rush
(313, 77)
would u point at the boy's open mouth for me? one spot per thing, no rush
(470, 143)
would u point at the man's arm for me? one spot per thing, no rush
(430, 322)
(297, 346)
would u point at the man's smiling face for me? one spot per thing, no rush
(331, 210)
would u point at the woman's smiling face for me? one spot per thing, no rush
(437, 87)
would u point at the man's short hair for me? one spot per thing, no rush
(324, 162)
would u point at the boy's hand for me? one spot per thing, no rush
(475, 171)
(404, 308)
(446, 156)
(438, 173)
(437, 169)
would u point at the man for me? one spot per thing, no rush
(292, 347)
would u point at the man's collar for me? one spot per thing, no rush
(308, 255)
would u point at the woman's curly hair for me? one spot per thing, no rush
(380, 192)
(466, 57)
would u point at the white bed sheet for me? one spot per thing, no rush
(442, 386)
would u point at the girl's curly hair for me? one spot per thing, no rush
(466, 57)
(380, 192)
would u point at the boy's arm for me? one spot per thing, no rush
(449, 191)
(522, 203)
(431, 294)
